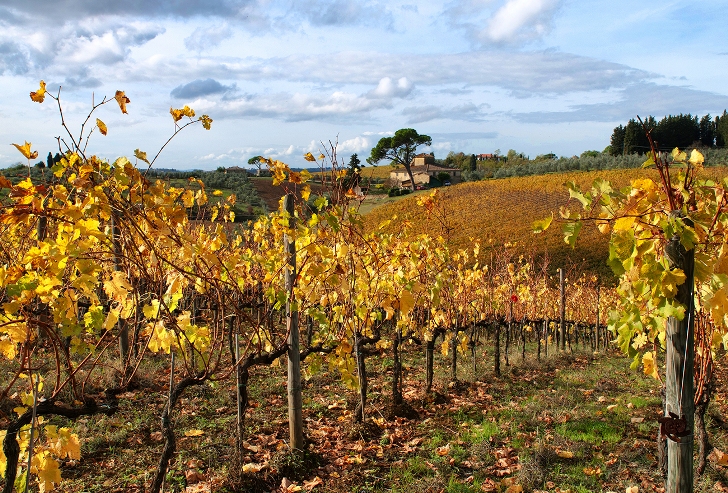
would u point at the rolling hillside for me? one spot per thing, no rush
(502, 211)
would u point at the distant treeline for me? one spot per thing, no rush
(672, 131)
(585, 162)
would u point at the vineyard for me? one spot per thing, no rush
(122, 295)
(499, 212)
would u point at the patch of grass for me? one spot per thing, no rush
(481, 433)
(640, 402)
(590, 431)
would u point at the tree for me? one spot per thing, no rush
(353, 173)
(616, 143)
(457, 160)
(707, 131)
(675, 131)
(635, 140)
(256, 161)
(400, 149)
(473, 163)
(721, 129)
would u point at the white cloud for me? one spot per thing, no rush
(207, 37)
(298, 106)
(505, 21)
(357, 144)
(521, 19)
(387, 88)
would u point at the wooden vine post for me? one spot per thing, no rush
(562, 311)
(124, 329)
(679, 373)
(596, 330)
(295, 405)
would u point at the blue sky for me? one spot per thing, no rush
(279, 77)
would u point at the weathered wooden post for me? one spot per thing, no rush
(596, 335)
(679, 374)
(123, 327)
(295, 405)
(562, 328)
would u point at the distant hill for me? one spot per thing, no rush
(502, 211)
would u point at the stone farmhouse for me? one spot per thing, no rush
(424, 169)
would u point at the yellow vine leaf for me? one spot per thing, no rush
(102, 126)
(177, 114)
(63, 442)
(309, 157)
(295, 177)
(162, 339)
(206, 122)
(25, 150)
(648, 361)
(39, 95)
(118, 287)
(7, 349)
(678, 156)
(696, 159)
(670, 280)
(151, 311)
(406, 302)
(142, 156)
(47, 470)
(122, 100)
(624, 223)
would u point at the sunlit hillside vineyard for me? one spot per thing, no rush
(502, 211)
(148, 341)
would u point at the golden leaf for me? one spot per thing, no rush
(39, 95)
(678, 156)
(295, 177)
(102, 126)
(47, 471)
(206, 121)
(25, 150)
(648, 361)
(309, 157)
(406, 302)
(122, 100)
(194, 433)
(142, 156)
(177, 114)
(565, 454)
(696, 158)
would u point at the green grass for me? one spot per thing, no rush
(589, 431)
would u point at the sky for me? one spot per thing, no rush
(281, 78)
